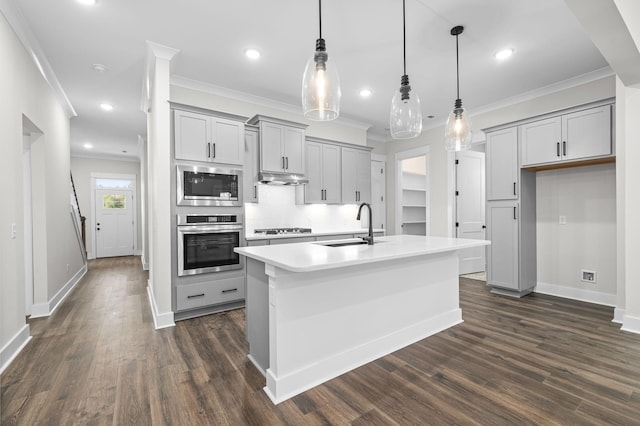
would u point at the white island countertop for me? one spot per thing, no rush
(316, 256)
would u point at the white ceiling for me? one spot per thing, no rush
(364, 38)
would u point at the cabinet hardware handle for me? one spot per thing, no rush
(282, 162)
(195, 295)
(208, 150)
(214, 150)
(231, 290)
(558, 149)
(564, 148)
(255, 191)
(287, 162)
(514, 213)
(324, 194)
(514, 188)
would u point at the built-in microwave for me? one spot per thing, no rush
(208, 186)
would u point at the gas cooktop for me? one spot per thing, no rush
(280, 231)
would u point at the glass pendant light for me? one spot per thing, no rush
(457, 133)
(406, 113)
(320, 83)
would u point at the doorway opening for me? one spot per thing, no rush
(413, 192)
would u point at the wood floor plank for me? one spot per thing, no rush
(535, 360)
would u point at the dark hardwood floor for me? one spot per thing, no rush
(537, 360)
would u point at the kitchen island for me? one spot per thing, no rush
(315, 311)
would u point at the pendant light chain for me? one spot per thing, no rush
(320, 16)
(457, 69)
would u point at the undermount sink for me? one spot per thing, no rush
(344, 243)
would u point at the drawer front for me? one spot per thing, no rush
(193, 296)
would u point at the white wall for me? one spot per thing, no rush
(26, 93)
(586, 196)
(82, 168)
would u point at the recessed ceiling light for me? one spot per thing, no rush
(88, 2)
(106, 107)
(503, 54)
(99, 68)
(88, 146)
(252, 54)
(365, 93)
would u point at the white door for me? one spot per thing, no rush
(378, 185)
(470, 208)
(114, 222)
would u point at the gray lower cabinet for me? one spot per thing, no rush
(197, 295)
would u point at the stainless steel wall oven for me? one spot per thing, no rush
(206, 243)
(208, 186)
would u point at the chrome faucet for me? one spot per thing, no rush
(368, 239)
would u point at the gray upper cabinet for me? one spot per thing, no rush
(579, 135)
(502, 164)
(323, 172)
(251, 164)
(205, 138)
(356, 176)
(281, 145)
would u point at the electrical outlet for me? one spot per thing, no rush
(13, 231)
(589, 276)
(67, 268)
(562, 220)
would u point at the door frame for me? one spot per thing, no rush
(92, 219)
(405, 155)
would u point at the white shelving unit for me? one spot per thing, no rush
(414, 204)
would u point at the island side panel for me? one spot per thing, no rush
(257, 313)
(325, 323)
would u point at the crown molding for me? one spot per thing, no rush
(18, 23)
(106, 157)
(154, 51)
(213, 89)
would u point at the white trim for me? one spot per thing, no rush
(29, 41)
(159, 320)
(11, 350)
(39, 310)
(92, 219)
(631, 324)
(379, 157)
(213, 89)
(618, 315)
(403, 155)
(103, 156)
(590, 296)
(145, 262)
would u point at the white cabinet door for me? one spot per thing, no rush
(587, 133)
(502, 254)
(331, 173)
(192, 133)
(349, 176)
(227, 141)
(250, 175)
(363, 176)
(293, 150)
(541, 141)
(271, 156)
(314, 190)
(502, 164)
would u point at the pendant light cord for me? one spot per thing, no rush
(457, 69)
(320, 16)
(404, 39)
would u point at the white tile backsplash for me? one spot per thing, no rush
(278, 209)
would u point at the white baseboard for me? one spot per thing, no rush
(39, 310)
(145, 263)
(14, 347)
(618, 315)
(91, 255)
(583, 295)
(631, 324)
(159, 320)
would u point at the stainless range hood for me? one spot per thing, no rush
(281, 178)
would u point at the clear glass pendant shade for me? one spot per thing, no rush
(457, 134)
(405, 119)
(321, 88)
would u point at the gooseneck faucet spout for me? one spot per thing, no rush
(368, 239)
